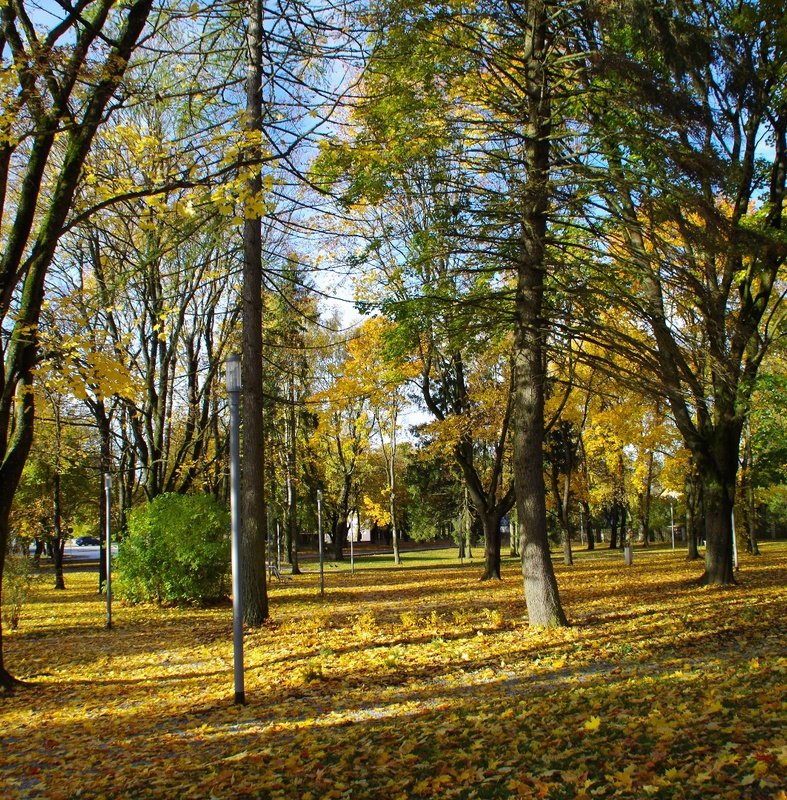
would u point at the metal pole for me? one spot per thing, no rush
(319, 542)
(237, 602)
(734, 542)
(672, 524)
(108, 495)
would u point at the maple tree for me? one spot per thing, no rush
(341, 440)
(381, 381)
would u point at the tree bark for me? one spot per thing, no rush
(291, 485)
(541, 592)
(59, 541)
(585, 509)
(613, 532)
(692, 552)
(718, 530)
(253, 539)
(490, 523)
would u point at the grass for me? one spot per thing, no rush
(409, 682)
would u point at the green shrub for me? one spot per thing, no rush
(177, 550)
(17, 579)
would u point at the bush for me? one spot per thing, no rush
(17, 579)
(177, 550)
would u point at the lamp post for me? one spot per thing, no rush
(319, 542)
(673, 498)
(108, 498)
(734, 540)
(232, 377)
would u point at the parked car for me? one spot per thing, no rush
(84, 541)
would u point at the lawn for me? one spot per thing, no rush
(412, 682)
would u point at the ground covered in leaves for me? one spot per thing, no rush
(412, 682)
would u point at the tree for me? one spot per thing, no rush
(290, 332)
(341, 441)
(485, 75)
(253, 536)
(695, 208)
(381, 380)
(55, 101)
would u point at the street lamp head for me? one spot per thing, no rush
(232, 372)
(107, 481)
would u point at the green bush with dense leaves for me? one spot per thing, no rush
(177, 550)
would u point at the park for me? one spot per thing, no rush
(416, 681)
(393, 399)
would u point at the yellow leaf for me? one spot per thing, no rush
(593, 724)
(760, 768)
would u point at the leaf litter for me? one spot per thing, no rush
(407, 683)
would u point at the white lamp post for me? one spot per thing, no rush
(673, 498)
(232, 376)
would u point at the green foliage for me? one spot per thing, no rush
(17, 580)
(177, 551)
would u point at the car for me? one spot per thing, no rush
(85, 541)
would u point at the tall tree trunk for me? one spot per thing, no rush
(490, 523)
(291, 486)
(719, 502)
(339, 537)
(717, 467)
(253, 540)
(747, 484)
(613, 533)
(541, 592)
(692, 551)
(10, 474)
(561, 501)
(646, 502)
(59, 542)
(585, 509)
